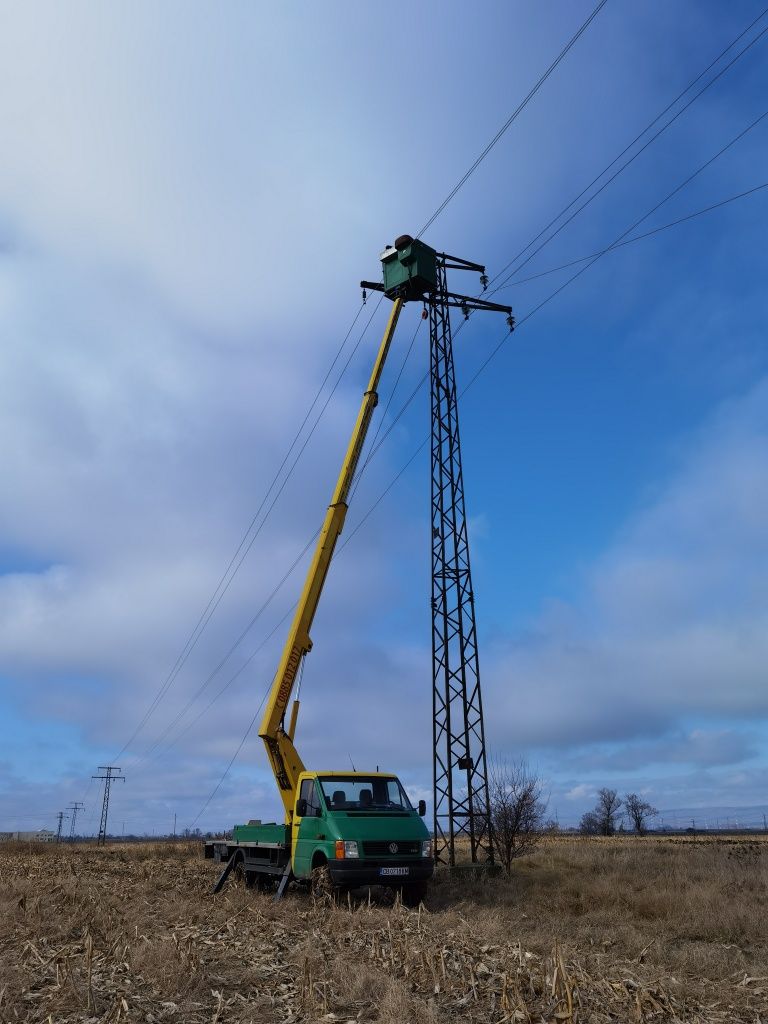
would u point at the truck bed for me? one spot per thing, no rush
(261, 848)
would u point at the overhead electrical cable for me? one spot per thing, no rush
(631, 159)
(645, 216)
(512, 118)
(233, 678)
(497, 348)
(626, 149)
(214, 601)
(551, 296)
(465, 177)
(424, 228)
(263, 607)
(639, 238)
(269, 599)
(274, 501)
(248, 540)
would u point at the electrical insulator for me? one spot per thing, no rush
(484, 281)
(511, 323)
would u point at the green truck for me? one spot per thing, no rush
(348, 829)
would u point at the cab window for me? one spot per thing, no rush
(308, 792)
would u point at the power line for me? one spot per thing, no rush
(552, 295)
(216, 598)
(513, 116)
(229, 653)
(642, 149)
(276, 497)
(250, 726)
(493, 353)
(639, 238)
(650, 212)
(267, 602)
(291, 609)
(504, 283)
(246, 544)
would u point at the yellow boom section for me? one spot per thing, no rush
(285, 761)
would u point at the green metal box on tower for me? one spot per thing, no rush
(410, 269)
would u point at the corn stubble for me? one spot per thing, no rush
(585, 930)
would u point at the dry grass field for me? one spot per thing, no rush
(586, 930)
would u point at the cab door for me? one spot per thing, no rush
(307, 829)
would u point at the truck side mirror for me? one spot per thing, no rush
(422, 807)
(301, 807)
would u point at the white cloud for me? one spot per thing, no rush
(673, 618)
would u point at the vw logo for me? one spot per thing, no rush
(393, 847)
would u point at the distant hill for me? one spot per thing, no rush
(713, 817)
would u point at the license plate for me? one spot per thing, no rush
(393, 871)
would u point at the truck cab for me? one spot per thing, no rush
(363, 829)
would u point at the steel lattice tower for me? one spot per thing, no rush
(415, 272)
(109, 778)
(460, 770)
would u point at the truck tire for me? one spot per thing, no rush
(243, 876)
(412, 895)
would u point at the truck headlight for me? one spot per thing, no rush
(346, 848)
(426, 848)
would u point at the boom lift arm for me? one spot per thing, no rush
(283, 756)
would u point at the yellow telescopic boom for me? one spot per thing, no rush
(285, 761)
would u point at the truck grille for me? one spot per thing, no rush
(381, 847)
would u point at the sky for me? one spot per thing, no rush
(189, 197)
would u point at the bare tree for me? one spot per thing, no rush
(638, 811)
(517, 809)
(589, 824)
(602, 820)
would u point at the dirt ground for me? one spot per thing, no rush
(585, 930)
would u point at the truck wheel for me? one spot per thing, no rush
(414, 894)
(243, 876)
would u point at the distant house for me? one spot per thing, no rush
(43, 835)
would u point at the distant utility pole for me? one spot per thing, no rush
(61, 816)
(174, 824)
(75, 807)
(109, 778)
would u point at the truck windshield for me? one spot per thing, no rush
(358, 793)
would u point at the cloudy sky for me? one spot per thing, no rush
(189, 196)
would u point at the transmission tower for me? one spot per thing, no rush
(61, 816)
(109, 778)
(75, 807)
(414, 271)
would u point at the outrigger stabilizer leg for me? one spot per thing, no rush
(224, 875)
(285, 879)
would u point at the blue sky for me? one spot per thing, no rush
(188, 199)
